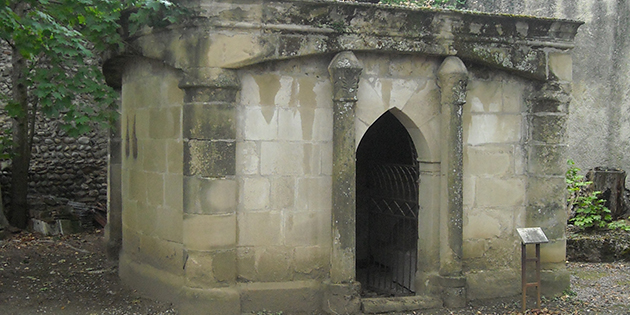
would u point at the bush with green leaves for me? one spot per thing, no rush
(590, 211)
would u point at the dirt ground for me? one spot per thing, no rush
(71, 275)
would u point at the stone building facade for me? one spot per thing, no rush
(271, 153)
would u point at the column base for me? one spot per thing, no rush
(342, 298)
(453, 291)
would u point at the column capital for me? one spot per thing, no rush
(345, 70)
(453, 76)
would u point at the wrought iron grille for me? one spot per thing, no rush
(393, 229)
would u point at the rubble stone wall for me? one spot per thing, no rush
(61, 166)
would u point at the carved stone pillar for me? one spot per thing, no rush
(453, 79)
(209, 231)
(546, 204)
(342, 296)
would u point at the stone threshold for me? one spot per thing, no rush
(399, 304)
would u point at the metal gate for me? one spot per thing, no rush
(393, 229)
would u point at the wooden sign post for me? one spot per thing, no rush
(531, 236)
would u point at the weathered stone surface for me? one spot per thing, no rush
(488, 128)
(547, 159)
(266, 154)
(551, 217)
(550, 129)
(255, 193)
(247, 158)
(217, 300)
(259, 123)
(499, 283)
(312, 193)
(216, 121)
(209, 158)
(207, 232)
(295, 296)
(545, 191)
(260, 229)
(205, 269)
(311, 261)
(342, 298)
(380, 305)
(273, 264)
(209, 195)
(492, 192)
(602, 246)
(307, 228)
(169, 254)
(165, 123)
(282, 192)
(281, 158)
(173, 196)
(149, 280)
(345, 72)
(488, 160)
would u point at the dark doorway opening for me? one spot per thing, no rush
(387, 209)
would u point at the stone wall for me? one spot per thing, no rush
(239, 138)
(495, 180)
(599, 123)
(61, 166)
(284, 159)
(152, 181)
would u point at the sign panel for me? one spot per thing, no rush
(532, 235)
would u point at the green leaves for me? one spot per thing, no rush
(60, 40)
(590, 211)
(155, 13)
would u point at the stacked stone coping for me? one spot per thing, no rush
(61, 166)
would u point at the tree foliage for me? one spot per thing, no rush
(55, 69)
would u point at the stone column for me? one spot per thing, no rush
(210, 191)
(342, 296)
(547, 146)
(453, 79)
(113, 230)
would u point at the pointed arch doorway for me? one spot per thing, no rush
(387, 207)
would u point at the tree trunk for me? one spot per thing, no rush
(611, 182)
(4, 223)
(18, 216)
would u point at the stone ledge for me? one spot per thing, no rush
(294, 297)
(148, 280)
(399, 304)
(606, 246)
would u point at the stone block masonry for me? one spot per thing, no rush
(247, 172)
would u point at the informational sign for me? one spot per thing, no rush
(533, 235)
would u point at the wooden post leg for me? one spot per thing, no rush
(538, 273)
(524, 274)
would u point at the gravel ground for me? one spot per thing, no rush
(71, 275)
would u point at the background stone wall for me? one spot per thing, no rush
(599, 119)
(61, 166)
